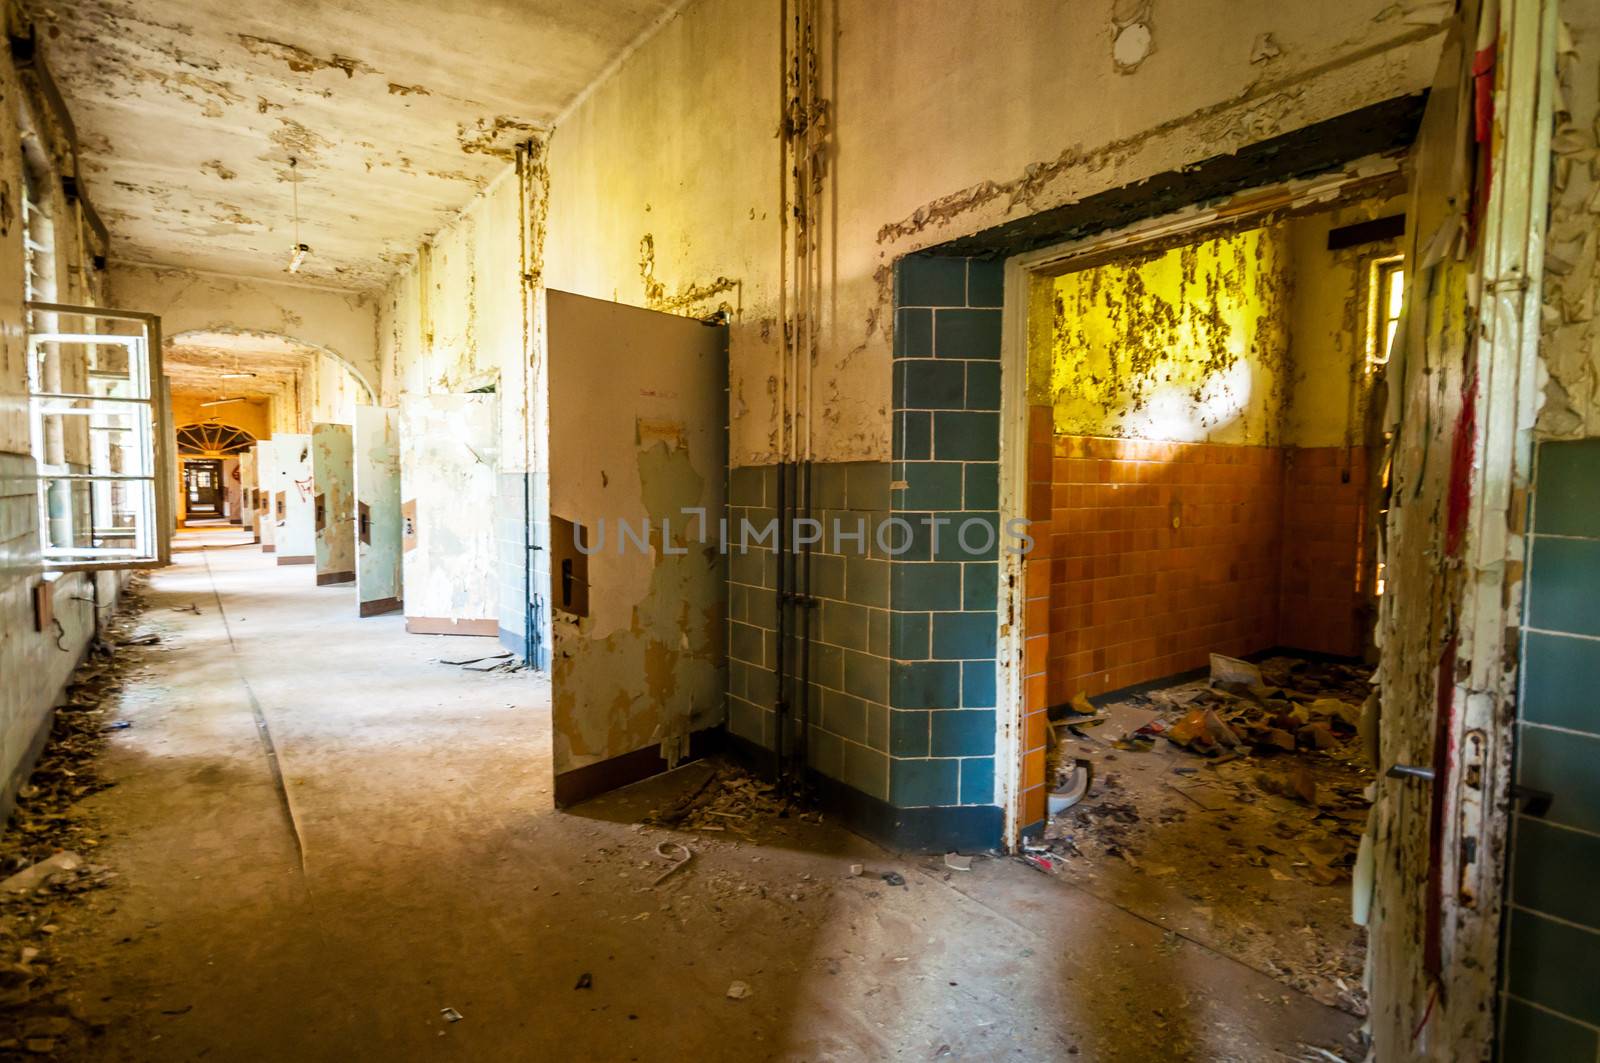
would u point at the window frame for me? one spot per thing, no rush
(153, 536)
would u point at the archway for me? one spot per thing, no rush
(212, 439)
(209, 486)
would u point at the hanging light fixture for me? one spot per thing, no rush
(298, 258)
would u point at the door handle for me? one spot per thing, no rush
(1408, 771)
(1534, 802)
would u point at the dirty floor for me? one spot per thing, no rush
(432, 873)
(1248, 850)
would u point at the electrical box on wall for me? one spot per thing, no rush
(44, 604)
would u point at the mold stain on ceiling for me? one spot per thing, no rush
(188, 112)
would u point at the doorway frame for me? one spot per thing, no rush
(1357, 179)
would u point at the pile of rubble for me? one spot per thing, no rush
(729, 799)
(1284, 706)
(47, 850)
(1228, 805)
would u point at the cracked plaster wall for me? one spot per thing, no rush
(35, 664)
(341, 323)
(678, 148)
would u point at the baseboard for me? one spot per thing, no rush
(297, 559)
(325, 578)
(956, 828)
(539, 662)
(268, 548)
(379, 606)
(443, 625)
(1064, 712)
(578, 785)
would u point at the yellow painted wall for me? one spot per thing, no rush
(1329, 384)
(1186, 345)
(945, 118)
(252, 415)
(1256, 338)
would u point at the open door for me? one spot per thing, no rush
(448, 458)
(99, 429)
(247, 492)
(638, 459)
(294, 527)
(333, 487)
(266, 505)
(377, 486)
(1463, 386)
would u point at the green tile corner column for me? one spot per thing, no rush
(1550, 1009)
(944, 541)
(848, 672)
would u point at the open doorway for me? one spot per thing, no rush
(202, 487)
(1204, 486)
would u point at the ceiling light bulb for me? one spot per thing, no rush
(300, 253)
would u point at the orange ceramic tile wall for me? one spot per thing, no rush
(1325, 547)
(1151, 555)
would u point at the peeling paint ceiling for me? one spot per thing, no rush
(219, 364)
(188, 112)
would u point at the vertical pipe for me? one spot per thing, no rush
(530, 656)
(780, 713)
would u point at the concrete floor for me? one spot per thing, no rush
(437, 875)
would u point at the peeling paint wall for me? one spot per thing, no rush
(1328, 383)
(645, 665)
(292, 512)
(453, 323)
(1571, 340)
(1549, 1005)
(341, 323)
(918, 155)
(377, 479)
(447, 491)
(35, 664)
(333, 484)
(1187, 345)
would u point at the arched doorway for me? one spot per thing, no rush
(209, 486)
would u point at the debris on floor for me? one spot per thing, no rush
(1230, 807)
(485, 662)
(47, 851)
(728, 799)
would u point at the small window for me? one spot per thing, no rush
(1385, 300)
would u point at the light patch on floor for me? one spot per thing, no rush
(437, 875)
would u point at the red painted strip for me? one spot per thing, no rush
(1459, 501)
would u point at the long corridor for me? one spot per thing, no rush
(436, 875)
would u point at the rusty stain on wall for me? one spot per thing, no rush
(497, 136)
(691, 300)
